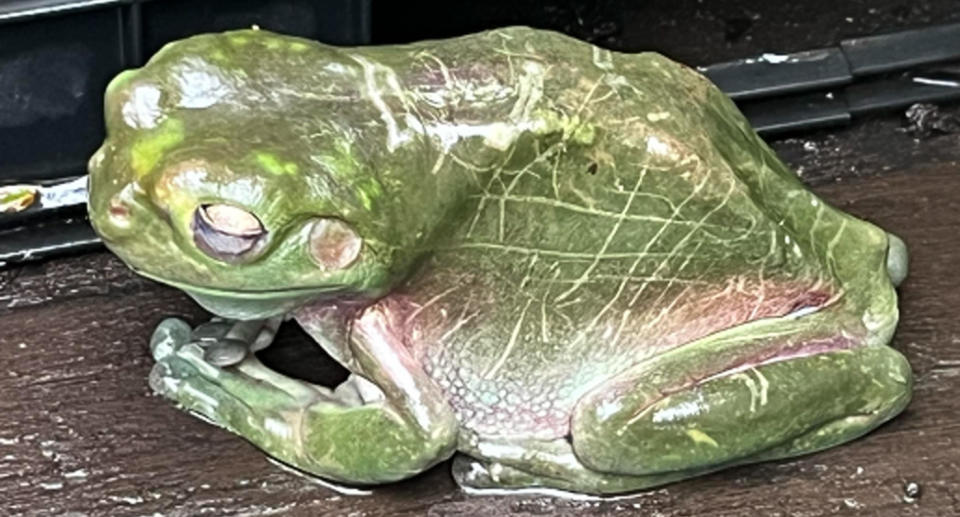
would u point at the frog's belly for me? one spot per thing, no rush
(533, 399)
(521, 372)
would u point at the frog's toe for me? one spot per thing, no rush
(182, 375)
(475, 475)
(170, 334)
(898, 260)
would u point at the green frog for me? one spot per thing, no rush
(570, 268)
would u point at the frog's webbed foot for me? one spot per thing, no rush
(354, 433)
(223, 342)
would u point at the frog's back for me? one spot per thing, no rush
(634, 224)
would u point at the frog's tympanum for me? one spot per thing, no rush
(575, 268)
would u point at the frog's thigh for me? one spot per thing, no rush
(355, 433)
(778, 409)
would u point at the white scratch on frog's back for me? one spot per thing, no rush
(634, 419)
(673, 279)
(676, 412)
(428, 303)
(602, 59)
(544, 333)
(752, 386)
(633, 267)
(556, 203)
(444, 70)
(569, 303)
(764, 386)
(606, 243)
(657, 117)
(836, 239)
(813, 228)
(394, 139)
(623, 322)
(526, 278)
(457, 326)
(683, 241)
(514, 336)
(529, 92)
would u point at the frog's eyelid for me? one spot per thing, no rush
(231, 220)
(225, 232)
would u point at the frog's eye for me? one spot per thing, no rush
(333, 244)
(226, 232)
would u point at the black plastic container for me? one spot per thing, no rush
(56, 58)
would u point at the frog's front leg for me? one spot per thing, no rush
(384, 423)
(770, 389)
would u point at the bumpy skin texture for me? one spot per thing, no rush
(581, 269)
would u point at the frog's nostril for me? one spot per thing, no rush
(333, 244)
(119, 213)
(226, 232)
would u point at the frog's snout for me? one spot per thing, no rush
(898, 259)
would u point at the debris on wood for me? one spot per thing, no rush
(17, 198)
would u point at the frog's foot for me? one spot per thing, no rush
(353, 433)
(681, 412)
(545, 466)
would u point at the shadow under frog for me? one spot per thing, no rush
(576, 269)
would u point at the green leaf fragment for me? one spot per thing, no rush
(17, 198)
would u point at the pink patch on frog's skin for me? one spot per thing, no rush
(539, 404)
(418, 332)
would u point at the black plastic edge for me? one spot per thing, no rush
(131, 35)
(46, 240)
(894, 94)
(797, 113)
(777, 74)
(901, 50)
(20, 10)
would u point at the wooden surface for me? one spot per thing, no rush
(80, 431)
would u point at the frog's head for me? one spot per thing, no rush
(217, 177)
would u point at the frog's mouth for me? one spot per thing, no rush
(247, 294)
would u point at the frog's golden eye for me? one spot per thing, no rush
(333, 244)
(226, 232)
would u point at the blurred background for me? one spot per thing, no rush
(57, 56)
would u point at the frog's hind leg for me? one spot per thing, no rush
(357, 433)
(695, 407)
(545, 466)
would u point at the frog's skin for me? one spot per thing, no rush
(579, 269)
